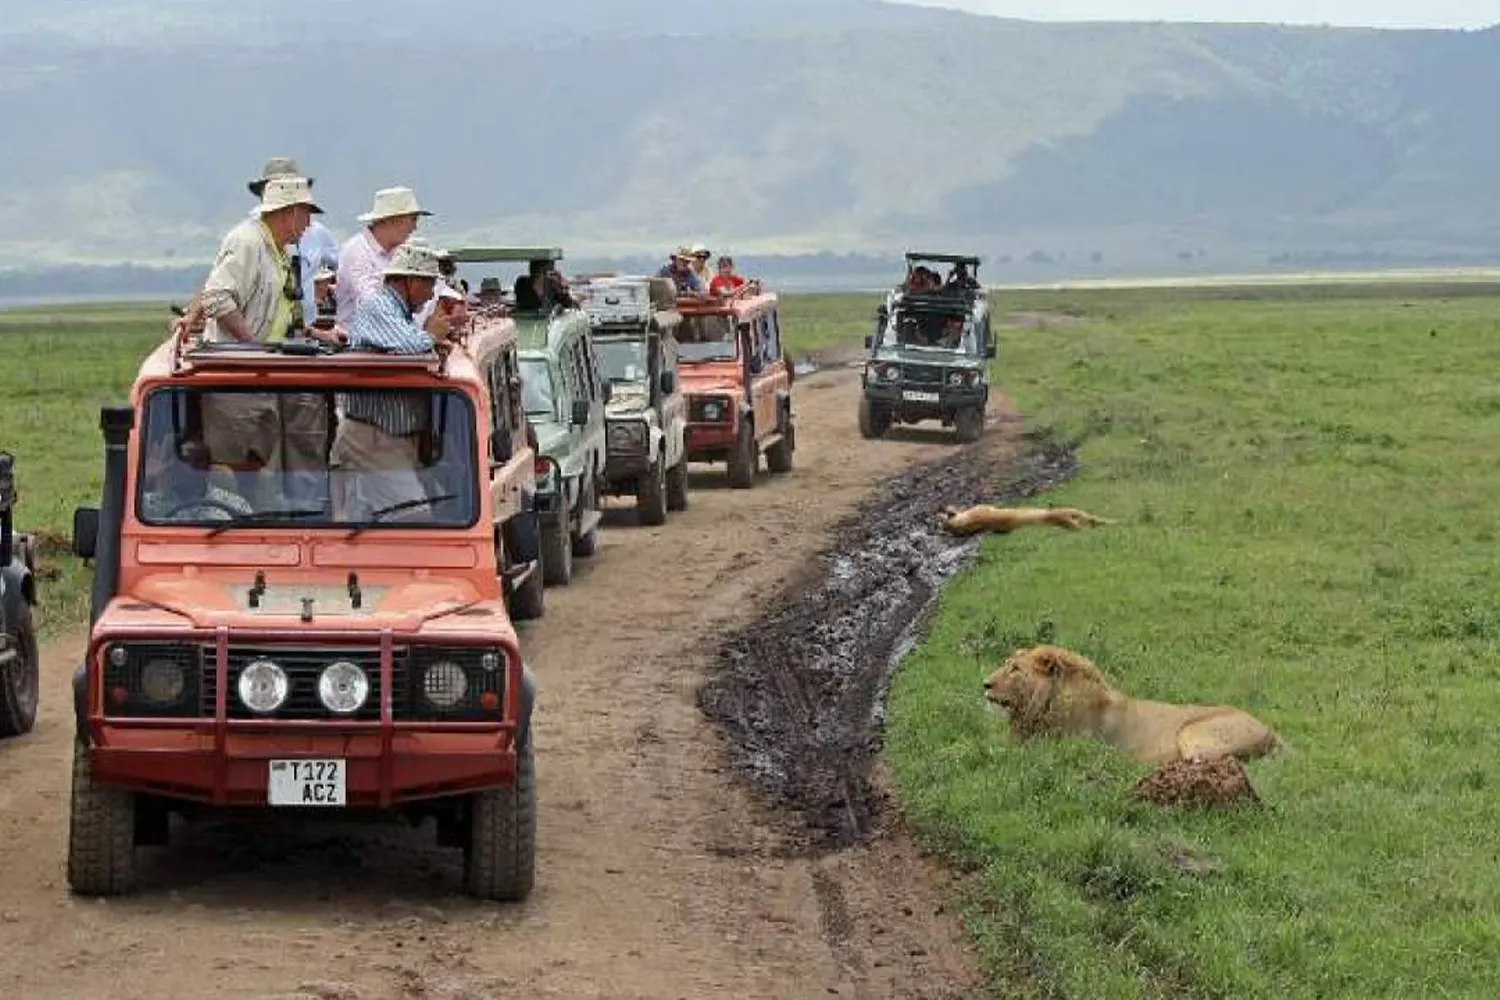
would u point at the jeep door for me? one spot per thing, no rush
(771, 382)
(510, 461)
(595, 433)
(672, 405)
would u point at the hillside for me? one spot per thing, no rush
(617, 126)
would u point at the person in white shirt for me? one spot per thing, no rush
(365, 255)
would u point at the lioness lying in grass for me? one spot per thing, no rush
(1003, 520)
(1047, 690)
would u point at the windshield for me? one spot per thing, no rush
(537, 392)
(622, 360)
(706, 338)
(929, 331)
(290, 458)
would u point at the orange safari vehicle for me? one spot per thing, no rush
(300, 567)
(738, 383)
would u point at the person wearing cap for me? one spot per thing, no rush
(701, 257)
(680, 269)
(325, 306)
(317, 246)
(389, 223)
(376, 453)
(250, 294)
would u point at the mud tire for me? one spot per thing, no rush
(677, 486)
(779, 455)
(587, 544)
(500, 855)
(874, 421)
(743, 460)
(21, 681)
(969, 424)
(101, 834)
(528, 602)
(557, 556)
(651, 496)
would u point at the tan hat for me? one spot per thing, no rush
(699, 250)
(276, 166)
(393, 202)
(284, 192)
(413, 261)
(683, 252)
(447, 291)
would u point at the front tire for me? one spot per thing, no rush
(101, 833)
(20, 682)
(587, 543)
(500, 856)
(873, 421)
(779, 455)
(557, 555)
(651, 495)
(969, 423)
(677, 486)
(743, 461)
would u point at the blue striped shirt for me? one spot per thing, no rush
(383, 323)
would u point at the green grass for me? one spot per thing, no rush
(57, 368)
(1306, 491)
(814, 323)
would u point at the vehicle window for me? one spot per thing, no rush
(590, 363)
(929, 330)
(623, 360)
(706, 338)
(538, 394)
(773, 336)
(225, 457)
(501, 410)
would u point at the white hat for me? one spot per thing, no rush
(447, 291)
(284, 192)
(325, 273)
(413, 261)
(393, 202)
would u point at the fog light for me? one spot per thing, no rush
(490, 662)
(162, 682)
(263, 687)
(713, 412)
(118, 656)
(445, 684)
(343, 688)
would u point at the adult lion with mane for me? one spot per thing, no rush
(1047, 690)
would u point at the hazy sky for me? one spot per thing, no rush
(1373, 13)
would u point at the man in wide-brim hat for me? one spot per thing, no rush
(377, 451)
(389, 223)
(317, 246)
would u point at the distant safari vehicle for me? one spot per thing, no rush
(564, 395)
(298, 605)
(20, 660)
(928, 357)
(635, 322)
(738, 382)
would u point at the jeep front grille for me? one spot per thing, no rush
(303, 665)
(922, 375)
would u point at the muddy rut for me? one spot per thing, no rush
(660, 873)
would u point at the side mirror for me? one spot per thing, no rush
(580, 413)
(869, 342)
(668, 383)
(608, 392)
(990, 350)
(85, 531)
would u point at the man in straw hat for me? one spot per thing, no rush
(679, 268)
(701, 255)
(377, 451)
(364, 256)
(317, 247)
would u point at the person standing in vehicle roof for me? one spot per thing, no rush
(364, 256)
(726, 282)
(700, 256)
(377, 451)
(680, 269)
(316, 247)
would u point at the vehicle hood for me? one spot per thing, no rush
(906, 356)
(387, 600)
(701, 379)
(628, 400)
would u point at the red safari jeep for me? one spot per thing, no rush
(738, 383)
(298, 606)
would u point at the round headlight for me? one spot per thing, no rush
(162, 681)
(490, 662)
(891, 374)
(445, 684)
(263, 687)
(343, 688)
(712, 411)
(955, 379)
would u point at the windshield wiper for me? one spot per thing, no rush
(395, 508)
(264, 516)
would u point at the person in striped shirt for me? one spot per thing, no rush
(377, 450)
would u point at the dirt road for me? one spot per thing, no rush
(658, 877)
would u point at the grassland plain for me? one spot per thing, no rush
(1305, 484)
(59, 365)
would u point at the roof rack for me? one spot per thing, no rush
(913, 257)
(290, 355)
(522, 255)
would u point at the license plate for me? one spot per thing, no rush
(912, 396)
(306, 783)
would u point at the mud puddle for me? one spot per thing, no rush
(800, 692)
